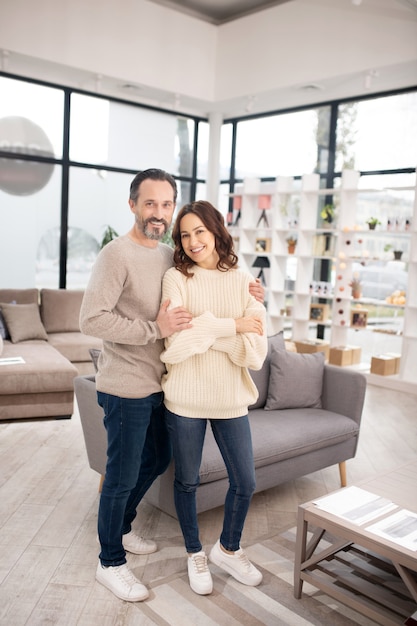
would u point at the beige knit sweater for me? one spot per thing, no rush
(120, 306)
(207, 365)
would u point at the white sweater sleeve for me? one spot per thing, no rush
(206, 328)
(246, 349)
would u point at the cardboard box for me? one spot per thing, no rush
(356, 354)
(383, 364)
(340, 355)
(397, 358)
(345, 355)
(313, 345)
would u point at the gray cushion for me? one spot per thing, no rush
(261, 377)
(23, 322)
(95, 353)
(4, 332)
(296, 380)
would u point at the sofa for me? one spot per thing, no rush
(307, 417)
(41, 352)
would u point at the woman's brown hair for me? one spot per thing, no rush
(214, 222)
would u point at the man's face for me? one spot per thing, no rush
(154, 208)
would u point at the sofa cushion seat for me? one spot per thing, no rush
(45, 370)
(292, 432)
(74, 345)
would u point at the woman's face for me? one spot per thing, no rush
(198, 243)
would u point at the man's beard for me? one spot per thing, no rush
(152, 233)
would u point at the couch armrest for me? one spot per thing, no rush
(91, 416)
(343, 391)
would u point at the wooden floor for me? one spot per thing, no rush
(48, 511)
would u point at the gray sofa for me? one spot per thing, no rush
(318, 427)
(42, 335)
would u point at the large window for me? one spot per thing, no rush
(378, 134)
(58, 197)
(278, 145)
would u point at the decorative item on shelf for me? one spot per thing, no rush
(263, 244)
(264, 203)
(373, 222)
(319, 312)
(291, 243)
(398, 297)
(237, 206)
(356, 286)
(261, 262)
(236, 241)
(328, 214)
(358, 318)
(108, 235)
(397, 252)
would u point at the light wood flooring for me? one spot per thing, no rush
(48, 512)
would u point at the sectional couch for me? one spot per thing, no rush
(41, 352)
(307, 417)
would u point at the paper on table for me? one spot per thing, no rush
(401, 528)
(12, 360)
(355, 505)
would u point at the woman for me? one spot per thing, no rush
(207, 379)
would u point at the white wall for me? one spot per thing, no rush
(282, 47)
(137, 41)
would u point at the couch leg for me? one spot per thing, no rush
(342, 472)
(100, 487)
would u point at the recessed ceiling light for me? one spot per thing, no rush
(311, 87)
(130, 87)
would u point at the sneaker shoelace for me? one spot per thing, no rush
(200, 563)
(125, 575)
(245, 561)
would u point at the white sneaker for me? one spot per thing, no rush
(199, 574)
(122, 582)
(138, 545)
(237, 564)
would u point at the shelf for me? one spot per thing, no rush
(330, 256)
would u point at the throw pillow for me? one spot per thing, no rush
(23, 322)
(4, 333)
(94, 353)
(296, 380)
(261, 377)
(60, 310)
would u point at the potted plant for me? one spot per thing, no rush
(108, 235)
(328, 214)
(356, 286)
(291, 243)
(373, 222)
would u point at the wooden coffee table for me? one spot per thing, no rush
(365, 571)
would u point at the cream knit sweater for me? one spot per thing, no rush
(120, 306)
(207, 365)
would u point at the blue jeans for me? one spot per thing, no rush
(138, 450)
(234, 439)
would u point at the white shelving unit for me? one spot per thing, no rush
(270, 212)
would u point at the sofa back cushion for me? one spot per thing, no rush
(60, 310)
(261, 377)
(296, 380)
(19, 296)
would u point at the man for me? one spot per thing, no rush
(121, 305)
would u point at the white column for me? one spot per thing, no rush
(213, 162)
